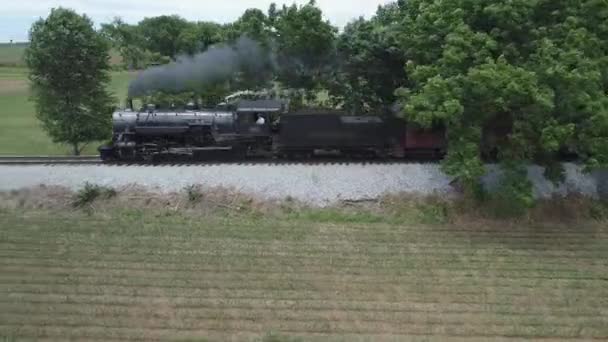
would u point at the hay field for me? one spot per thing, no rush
(160, 275)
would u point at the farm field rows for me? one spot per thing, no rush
(139, 275)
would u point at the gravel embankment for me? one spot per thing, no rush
(314, 184)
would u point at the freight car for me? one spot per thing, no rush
(263, 128)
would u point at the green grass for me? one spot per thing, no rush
(12, 54)
(20, 131)
(153, 275)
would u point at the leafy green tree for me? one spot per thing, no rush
(128, 41)
(198, 37)
(370, 61)
(161, 34)
(68, 63)
(254, 24)
(304, 45)
(534, 69)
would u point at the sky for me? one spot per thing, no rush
(16, 16)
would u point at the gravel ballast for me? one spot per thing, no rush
(313, 184)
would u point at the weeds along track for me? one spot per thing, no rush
(147, 276)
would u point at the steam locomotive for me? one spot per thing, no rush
(264, 129)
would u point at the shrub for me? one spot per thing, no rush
(194, 194)
(90, 193)
(514, 195)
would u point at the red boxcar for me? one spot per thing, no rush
(421, 142)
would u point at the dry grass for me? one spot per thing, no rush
(227, 267)
(13, 86)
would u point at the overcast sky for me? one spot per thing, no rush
(16, 16)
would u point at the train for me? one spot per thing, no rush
(263, 128)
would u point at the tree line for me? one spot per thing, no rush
(538, 69)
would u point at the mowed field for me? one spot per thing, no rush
(139, 275)
(20, 131)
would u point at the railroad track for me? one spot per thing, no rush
(94, 160)
(44, 160)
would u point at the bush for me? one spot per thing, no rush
(514, 196)
(194, 194)
(90, 193)
(599, 211)
(433, 213)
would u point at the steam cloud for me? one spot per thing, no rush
(219, 63)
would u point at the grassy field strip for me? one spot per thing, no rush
(216, 336)
(204, 249)
(406, 241)
(119, 313)
(497, 246)
(401, 250)
(295, 224)
(419, 292)
(90, 300)
(211, 236)
(100, 333)
(183, 279)
(299, 227)
(397, 268)
(398, 257)
(402, 263)
(201, 327)
(190, 259)
(359, 278)
(341, 223)
(487, 298)
(197, 319)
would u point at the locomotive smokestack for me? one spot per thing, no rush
(218, 64)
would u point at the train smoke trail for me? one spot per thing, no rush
(219, 63)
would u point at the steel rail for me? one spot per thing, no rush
(92, 160)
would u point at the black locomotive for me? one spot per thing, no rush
(262, 128)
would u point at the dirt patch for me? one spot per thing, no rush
(41, 197)
(12, 86)
(194, 200)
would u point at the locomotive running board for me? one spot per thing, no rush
(200, 149)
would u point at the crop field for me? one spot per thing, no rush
(12, 54)
(20, 131)
(143, 275)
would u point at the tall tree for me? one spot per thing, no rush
(369, 64)
(128, 41)
(255, 25)
(197, 37)
(304, 44)
(161, 34)
(535, 68)
(68, 63)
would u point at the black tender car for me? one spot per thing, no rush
(305, 132)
